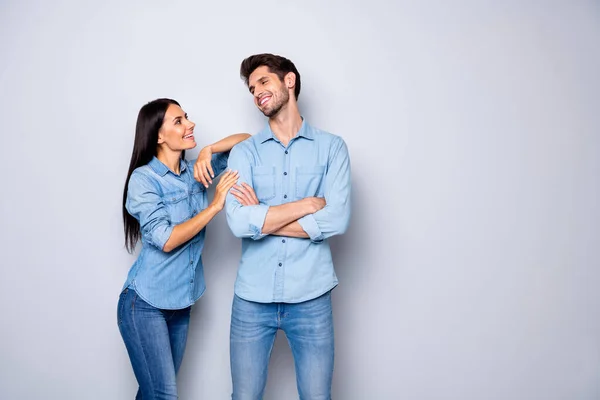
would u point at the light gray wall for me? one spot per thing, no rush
(471, 267)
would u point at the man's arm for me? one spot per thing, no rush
(279, 220)
(282, 216)
(244, 222)
(334, 218)
(292, 230)
(249, 221)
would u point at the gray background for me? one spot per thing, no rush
(471, 265)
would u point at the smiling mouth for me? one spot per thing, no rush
(264, 100)
(188, 137)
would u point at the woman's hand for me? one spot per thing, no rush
(203, 171)
(227, 181)
(245, 194)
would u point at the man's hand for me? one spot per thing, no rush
(314, 204)
(244, 194)
(203, 171)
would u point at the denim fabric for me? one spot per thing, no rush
(309, 330)
(314, 163)
(155, 340)
(159, 200)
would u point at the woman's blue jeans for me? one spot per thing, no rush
(155, 340)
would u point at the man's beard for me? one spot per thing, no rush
(283, 99)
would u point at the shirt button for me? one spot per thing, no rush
(285, 173)
(191, 262)
(285, 196)
(280, 264)
(286, 152)
(283, 241)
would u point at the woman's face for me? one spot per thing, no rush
(176, 132)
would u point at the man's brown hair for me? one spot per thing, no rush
(278, 65)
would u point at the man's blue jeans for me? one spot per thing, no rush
(155, 340)
(309, 330)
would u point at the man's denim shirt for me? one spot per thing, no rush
(159, 200)
(285, 269)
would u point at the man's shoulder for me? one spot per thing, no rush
(245, 150)
(325, 136)
(246, 145)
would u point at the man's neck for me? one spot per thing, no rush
(286, 124)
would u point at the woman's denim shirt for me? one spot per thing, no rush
(159, 199)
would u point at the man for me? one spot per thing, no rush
(294, 194)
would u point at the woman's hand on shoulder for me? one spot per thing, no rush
(203, 171)
(228, 179)
(245, 194)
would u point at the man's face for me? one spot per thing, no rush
(270, 93)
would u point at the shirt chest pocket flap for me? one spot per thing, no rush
(178, 207)
(263, 182)
(309, 181)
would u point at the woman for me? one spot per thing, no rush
(167, 210)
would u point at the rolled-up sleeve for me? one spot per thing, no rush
(145, 204)
(244, 221)
(334, 218)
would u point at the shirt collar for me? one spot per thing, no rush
(267, 134)
(161, 169)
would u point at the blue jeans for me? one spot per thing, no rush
(155, 340)
(309, 330)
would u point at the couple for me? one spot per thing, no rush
(286, 190)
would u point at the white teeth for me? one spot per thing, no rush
(264, 100)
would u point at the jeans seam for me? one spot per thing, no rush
(133, 320)
(121, 306)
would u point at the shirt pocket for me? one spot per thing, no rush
(309, 181)
(177, 205)
(263, 182)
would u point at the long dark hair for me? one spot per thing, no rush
(149, 121)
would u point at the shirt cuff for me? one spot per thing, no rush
(257, 216)
(310, 226)
(161, 235)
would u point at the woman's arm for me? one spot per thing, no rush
(228, 142)
(187, 230)
(203, 171)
